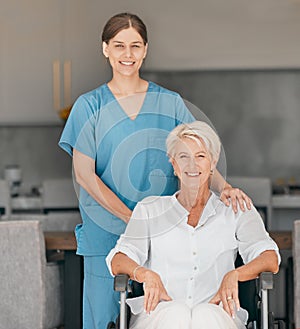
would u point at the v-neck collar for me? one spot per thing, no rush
(114, 99)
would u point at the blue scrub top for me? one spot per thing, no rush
(130, 155)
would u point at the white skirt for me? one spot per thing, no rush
(177, 315)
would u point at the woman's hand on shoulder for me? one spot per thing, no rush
(154, 290)
(235, 197)
(228, 293)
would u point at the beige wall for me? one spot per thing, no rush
(204, 34)
(184, 35)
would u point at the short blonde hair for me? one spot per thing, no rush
(199, 130)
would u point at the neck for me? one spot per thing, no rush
(193, 198)
(126, 86)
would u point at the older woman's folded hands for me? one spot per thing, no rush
(154, 290)
(228, 293)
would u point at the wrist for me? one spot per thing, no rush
(138, 273)
(236, 273)
(227, 186)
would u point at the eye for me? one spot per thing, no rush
(183, 156)
(201, 155)
(119, 46)
(136, 46)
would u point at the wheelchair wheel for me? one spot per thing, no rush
(111, 325)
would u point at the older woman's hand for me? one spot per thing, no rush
(228, 293)
(235, 196)
(154, 290)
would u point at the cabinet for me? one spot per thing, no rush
(286, 209)
(33, 35)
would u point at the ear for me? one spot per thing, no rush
(213, 165)
(146, 50)
(172, 161)
(105, 49)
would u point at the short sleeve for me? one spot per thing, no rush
(79, 131)
(134, 242)
(252, 237)
(183, 115)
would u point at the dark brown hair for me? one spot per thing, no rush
(121, 22)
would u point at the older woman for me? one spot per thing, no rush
(183, 247)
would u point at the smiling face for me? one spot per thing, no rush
(126, 52)
(192, 162)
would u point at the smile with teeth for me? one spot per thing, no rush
(127, 63)
(193, 174)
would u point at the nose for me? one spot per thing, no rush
(128, 51)
(193, 162)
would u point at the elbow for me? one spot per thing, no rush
(113, 266)
(274, 261)
(79, 178)
(115, 263)
(275, 268)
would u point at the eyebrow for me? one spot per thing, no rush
(140, 42)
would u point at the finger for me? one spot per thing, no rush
(148, 301)
(154, 302)
(165, 296)
(225, 199)
(226, 306)
(235, 296)
(145, 300)
(241, 202)
(231, 307)
(248, 202)
(234, 205)
(225, 303)
(215, 300)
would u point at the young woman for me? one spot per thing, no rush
(116, 136)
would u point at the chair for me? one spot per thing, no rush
(59, 221)
(59, 194)
(259, 190)
(253, 297)
(5, 205)
(296, 261)
(30, 288)
(63, 221)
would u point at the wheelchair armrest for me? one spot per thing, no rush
(265, 284)
(266, 280)
(121, 282)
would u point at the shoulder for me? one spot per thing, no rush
(156, 204)
(99, 95)
(154, 87)
(89, 103)
(155, 200)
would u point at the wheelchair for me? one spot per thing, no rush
(253, 296)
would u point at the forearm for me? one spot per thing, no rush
(122, 264)
(218, 182)
(86, 177)
(265, 262)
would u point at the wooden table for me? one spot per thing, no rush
(283, 239)
(73, 270)
(73, 276)
(67, 241)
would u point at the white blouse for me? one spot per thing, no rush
(191, 261)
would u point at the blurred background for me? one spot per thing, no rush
(238, 61)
